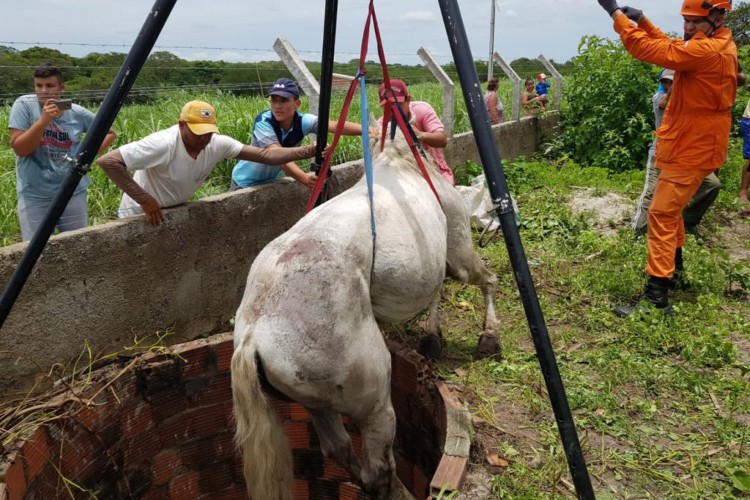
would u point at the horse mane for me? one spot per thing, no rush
(398, 154)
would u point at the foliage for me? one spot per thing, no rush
(739, 22)
(608, 121)
(660, 403)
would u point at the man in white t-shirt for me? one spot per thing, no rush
(170, 165)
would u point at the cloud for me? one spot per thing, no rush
(418, 16)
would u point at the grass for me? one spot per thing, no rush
(235, 118)
(662, 404)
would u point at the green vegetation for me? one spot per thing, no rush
(662, 404)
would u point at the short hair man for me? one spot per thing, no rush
(282, 126)
(693, 138)
(429, 129)
(170, 165)
(44, 135)
(703, 198)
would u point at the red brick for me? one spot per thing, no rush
(224, 445)
(196, 359)
(135, 419)
(404, 374)
(175, 430)
(220, 391)
(36, 453)
(216, 477)
(298, 435)
(224, 351)
(404, 471)
(332, 470)
(421, 487)
(165, 466)
(140, 448)
(81, 456)
(233, 493)
(197, 454)
(450, 473)
(15, 480)
(356, 443)
(300, 490)
(209, 420)
(87, 417)
(349, 491)
(184, 487)
(281, 408)
(298, 412)
(156, 493)
(449, 397)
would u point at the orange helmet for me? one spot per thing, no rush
(701, 8)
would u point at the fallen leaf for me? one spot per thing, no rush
(496, 461)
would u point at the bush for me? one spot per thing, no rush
(609, 120)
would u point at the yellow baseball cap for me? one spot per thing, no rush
(200, 117)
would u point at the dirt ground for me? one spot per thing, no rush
(608, 212)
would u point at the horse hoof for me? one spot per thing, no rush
(430, 347)
(489, 346)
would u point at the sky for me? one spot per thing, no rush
(245, 30)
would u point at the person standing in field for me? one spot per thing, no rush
(494, 104)
(429, 129)
(282, 126)
(530, 101)
(745, 181)
(708, 190)
(170, 165)
(693, 138)
(45, 136)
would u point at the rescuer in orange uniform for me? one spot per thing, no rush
(693, 138)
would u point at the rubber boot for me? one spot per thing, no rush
(655, 294)
(678, 281)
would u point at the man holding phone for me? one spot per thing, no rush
(45, 131)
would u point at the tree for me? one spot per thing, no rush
(739, 22)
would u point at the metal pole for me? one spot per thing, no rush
(492, 40)
(493, 170)
(90, 145)
(326, 78)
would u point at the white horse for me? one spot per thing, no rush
(308, 321)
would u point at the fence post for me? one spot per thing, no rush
(558, 81)
(517, 82)
(298, 69)
(449, 89)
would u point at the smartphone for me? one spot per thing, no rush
(62, 104)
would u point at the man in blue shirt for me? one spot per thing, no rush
(282, 126)
(45, 134)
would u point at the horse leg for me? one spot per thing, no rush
(431, 345)
(378, 474)
(465, 265)
(335, 442)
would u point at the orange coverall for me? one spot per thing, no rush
(694, 133)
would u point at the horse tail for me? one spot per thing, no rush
(266, 457)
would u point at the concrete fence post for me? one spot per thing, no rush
(297, 67)
(558, 81)
(449, 89)
(517, 84)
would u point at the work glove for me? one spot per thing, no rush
(632, 13)
(609, 5)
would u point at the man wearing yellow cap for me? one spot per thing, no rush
(170, 165)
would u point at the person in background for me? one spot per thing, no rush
(531, 103)
(45, 135)
(745, 180)
(542, 87)
(282, 126)
(693, 139)
(170, 165)
(708, 190)
(493, 102)
(429, 129)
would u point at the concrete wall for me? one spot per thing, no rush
(112, 282)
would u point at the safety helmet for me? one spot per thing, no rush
(701, 8)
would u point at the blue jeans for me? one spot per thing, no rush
(31, 212)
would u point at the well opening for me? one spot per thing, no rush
(160, 426)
